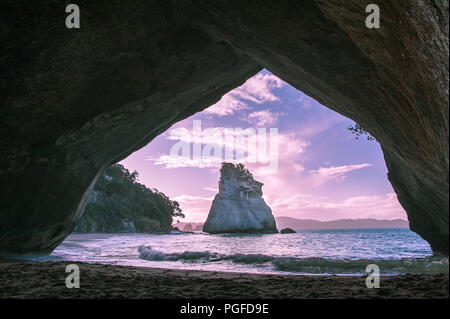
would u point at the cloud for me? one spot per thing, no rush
(321, 208)
(289, 150)
(172, 161)
(227, 105)
(306, 102)
(337, 173)
(191, 199)
(322, 121)
(292, 179)
(260, 150)
(262, 118)
(257, 89)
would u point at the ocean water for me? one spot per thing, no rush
(341, 252)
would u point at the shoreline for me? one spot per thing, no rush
(38, 280)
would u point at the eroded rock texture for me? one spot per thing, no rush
(239, 206)
(74, 101)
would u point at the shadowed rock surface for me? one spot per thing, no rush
(239, 206)
(75, 101)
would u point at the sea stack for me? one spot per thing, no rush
(239, 206)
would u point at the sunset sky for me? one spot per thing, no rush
(323, 172)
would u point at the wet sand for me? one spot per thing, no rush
(47, 280)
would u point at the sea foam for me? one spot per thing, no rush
(312, 265)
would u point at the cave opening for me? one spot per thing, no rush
(75, 101)
(321, 178)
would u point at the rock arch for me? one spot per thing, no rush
(74, 101)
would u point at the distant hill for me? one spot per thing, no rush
(298, 224)
(190, 226)
(294, 223)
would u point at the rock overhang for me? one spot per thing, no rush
(75, 101)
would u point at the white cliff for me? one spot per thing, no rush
(239, 206)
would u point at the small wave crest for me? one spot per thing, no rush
(148, 253)
(311, 265)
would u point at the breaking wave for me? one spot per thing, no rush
(148, 253)
(347, 266)
(312, 265)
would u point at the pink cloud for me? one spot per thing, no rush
(305, 102)
(227, 105)
(336, 173)
(262, 118)
(257, 89)
(286, 161)
(171, 161)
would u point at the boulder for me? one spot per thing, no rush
(287, 231)
(239, 206)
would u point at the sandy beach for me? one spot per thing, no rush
(47, 280)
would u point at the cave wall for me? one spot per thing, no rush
(74, 101)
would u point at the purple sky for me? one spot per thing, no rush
(323, 172)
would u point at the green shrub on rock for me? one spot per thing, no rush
(119, 203)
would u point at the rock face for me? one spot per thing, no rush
(239, 206)
(74, 101)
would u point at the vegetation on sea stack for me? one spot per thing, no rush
(120, 204)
